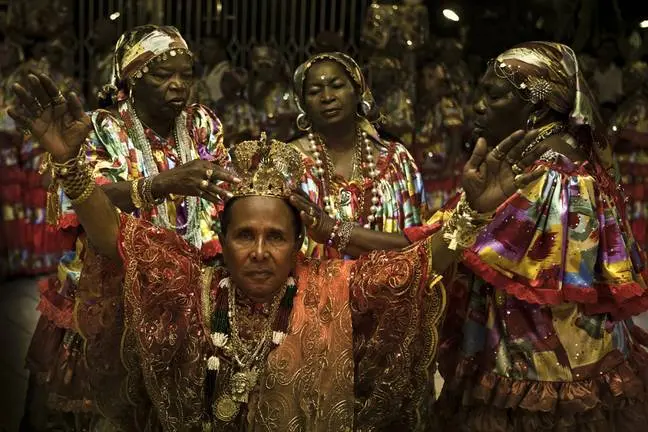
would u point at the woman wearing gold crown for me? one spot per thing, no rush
(351, 172)
(538, 335)
(269, 341)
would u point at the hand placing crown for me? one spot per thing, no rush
(266, 167)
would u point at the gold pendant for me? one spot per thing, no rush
(241, 384)
(226, 408)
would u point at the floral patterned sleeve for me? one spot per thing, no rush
(207, 132)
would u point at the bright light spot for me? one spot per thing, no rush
(451, 15)
(644, 24)
(614, 128)
(409, 43)
(114, 16)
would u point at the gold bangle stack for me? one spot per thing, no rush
(147, 192)
(75, 177)
(136, 198)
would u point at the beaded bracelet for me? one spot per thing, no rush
(147, 193)
(90, 187)
(331, 241)
(79, 184)
(75, 181)
(64, 169)
(344, 235)
(136, 197)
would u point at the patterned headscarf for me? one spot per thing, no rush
(369, 112)
(159, 43)
(549, 72)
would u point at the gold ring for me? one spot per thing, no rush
(204, 184)
(311, 212)
(59, 99)
(516, 169)
(209, 173)
(498, 154)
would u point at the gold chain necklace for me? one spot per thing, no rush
(243, 382)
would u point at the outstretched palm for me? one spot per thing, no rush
(488, 177)
(58, 123)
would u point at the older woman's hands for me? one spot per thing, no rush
(490, 177)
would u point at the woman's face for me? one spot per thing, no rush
(166, 86)
(329, 95)
(260, 246)
(500, 110)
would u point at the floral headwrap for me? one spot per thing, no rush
(549, 72)
(356, 75)
(157, 45)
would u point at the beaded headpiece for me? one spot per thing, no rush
(266, 167)
(533, 89)
(550, 72)
(157, 45)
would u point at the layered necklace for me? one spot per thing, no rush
(183, 147)
(545, 132)
(246, 361)
(326, 170)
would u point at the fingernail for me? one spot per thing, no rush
(236, 180)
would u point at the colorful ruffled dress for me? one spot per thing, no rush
(55, 354)
(538, 335)
(399, 184)
(630, 131)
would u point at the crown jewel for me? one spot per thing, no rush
(266, 168)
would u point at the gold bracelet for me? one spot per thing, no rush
(90, 187)
(136, 198)
(76, 181)
(344, 235)
(66, 168)
(147, 193)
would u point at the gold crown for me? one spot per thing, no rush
(266, 168)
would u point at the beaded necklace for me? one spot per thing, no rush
(325, 171)
(248, 361)
(183, 147)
